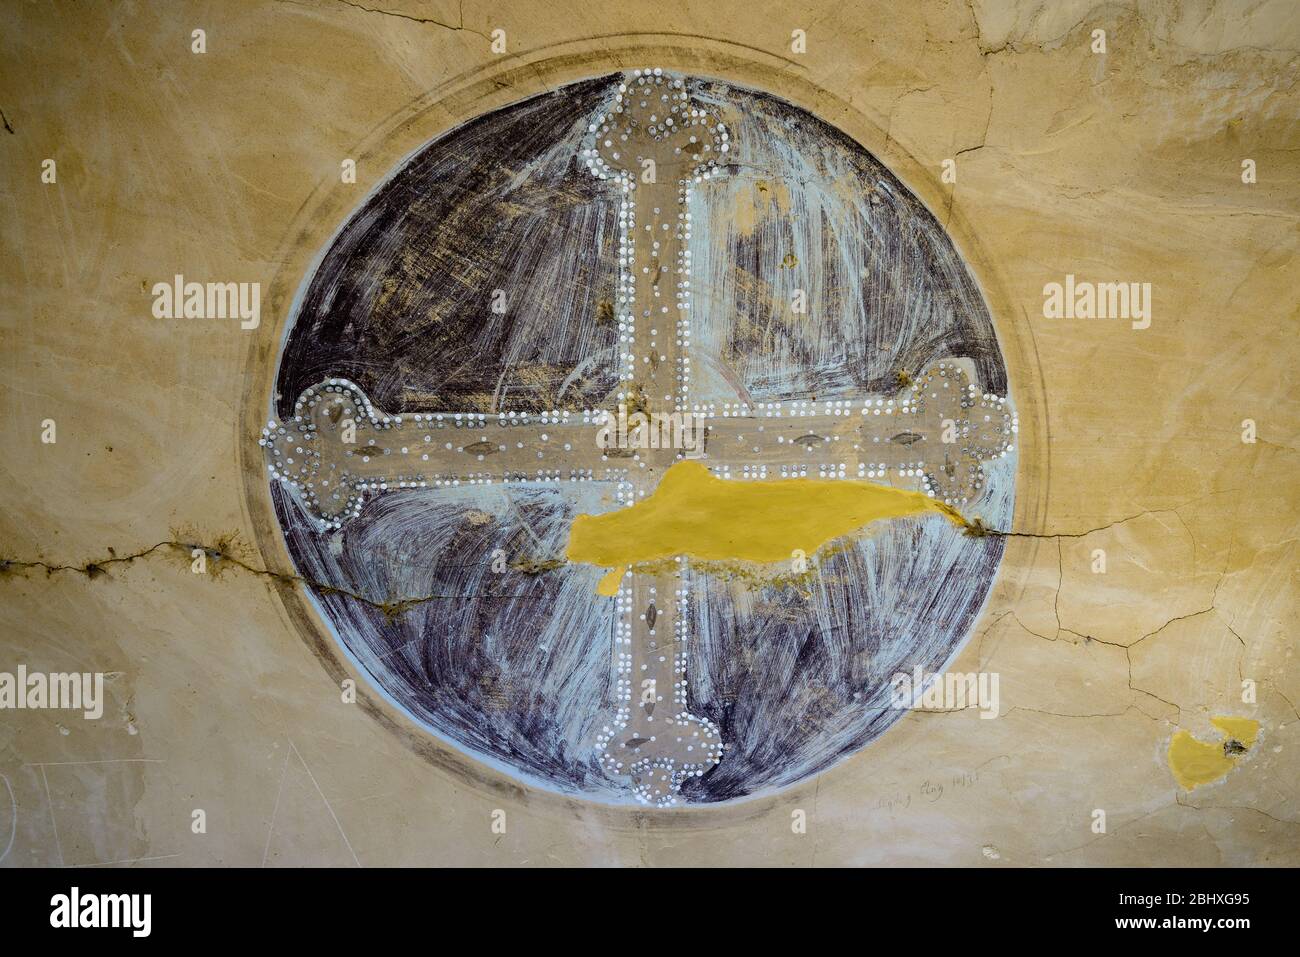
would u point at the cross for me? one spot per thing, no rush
(657, 145)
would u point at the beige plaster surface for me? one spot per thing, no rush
(223, 690)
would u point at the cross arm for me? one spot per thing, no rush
(937, 431)
(338, 445)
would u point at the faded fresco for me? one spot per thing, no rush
(649, 434)
(804, 287)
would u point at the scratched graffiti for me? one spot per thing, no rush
(670, 245)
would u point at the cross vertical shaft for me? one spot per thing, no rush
(655, 142)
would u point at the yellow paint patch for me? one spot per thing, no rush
(693, 513)
(609, 582)
(1195, 763)
(1245, 730)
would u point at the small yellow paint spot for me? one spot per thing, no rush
(609, 582)
(1194, 762)
(693, 513)
(1243, 730)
